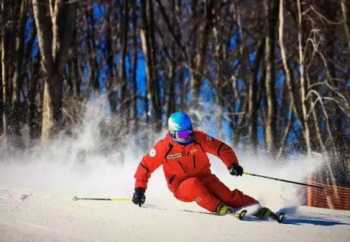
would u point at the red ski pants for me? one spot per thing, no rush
(208, 192)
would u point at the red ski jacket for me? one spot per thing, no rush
(183, 161)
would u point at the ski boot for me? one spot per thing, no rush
(224, 210)
(266, 213)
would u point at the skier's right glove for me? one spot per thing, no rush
(139, 197)
(236, 170)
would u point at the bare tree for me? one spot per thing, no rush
(271, 8)
(287, 73)
(53, 19)
(303, 84)
(134, 64)
(125, 95)
(345, 6)
(92, 63)
(3, 74)
(149, 49)
(12, 56)
(201, 47)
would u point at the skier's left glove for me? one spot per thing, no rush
(139, 197)
(236, 170)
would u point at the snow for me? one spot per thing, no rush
(55, 217)
(33, 212)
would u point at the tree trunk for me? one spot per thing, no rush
(2, 106)
(53, 20)
(345, 8)
(303, 84)
(201, 57)
(174, 74)
(135, 64)
(13, 19)
(4, 66)
(271, 8)
(19, 39)
(2, 82)
(75, 68)
(112, 79)
(92, 48)
(171, 100)
(17, 115)
(253, 90)
(34, 107)
(125, 95)
(148, 46)
(287, 73)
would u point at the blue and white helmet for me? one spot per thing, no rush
(180, 127)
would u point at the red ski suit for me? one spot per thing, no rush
(187, 171)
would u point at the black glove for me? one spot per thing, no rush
(236, 170)
(139, 197)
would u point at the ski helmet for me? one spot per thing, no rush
(180, 127)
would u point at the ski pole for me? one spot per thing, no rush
(114, 199)
(283, 180)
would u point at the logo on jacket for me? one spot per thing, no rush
(152, 153)
(174, 156)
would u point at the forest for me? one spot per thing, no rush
(275, 72)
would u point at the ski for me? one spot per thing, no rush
(278, 217)
(281, 217)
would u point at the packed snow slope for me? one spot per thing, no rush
(45, 211)
(37, 187)
(53, 217)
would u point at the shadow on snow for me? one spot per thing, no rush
(292, 217)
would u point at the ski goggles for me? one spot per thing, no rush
(182, 136)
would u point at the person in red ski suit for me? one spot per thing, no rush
(187, 171)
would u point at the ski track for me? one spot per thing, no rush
(27, 216)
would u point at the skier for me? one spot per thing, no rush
(182, 152)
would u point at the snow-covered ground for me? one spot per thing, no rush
(44, 216)
(36, 205)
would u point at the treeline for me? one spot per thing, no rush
(278, 69)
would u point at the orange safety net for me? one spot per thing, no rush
(334, 197)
